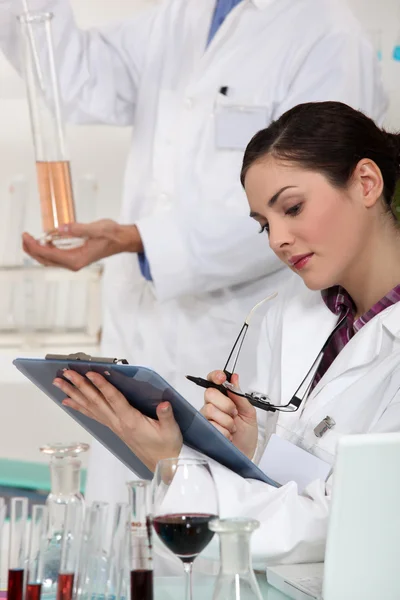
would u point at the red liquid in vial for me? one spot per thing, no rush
(142, 585)
(65, 586)
(33, 591)
(15, 584)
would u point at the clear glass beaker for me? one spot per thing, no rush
(65, 477)
(236, 579)
(140, 541)
(52, 159)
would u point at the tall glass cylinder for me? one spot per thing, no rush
(65, 477)
(52, 158)
(17, 551)
(140, 542)
(34, 567)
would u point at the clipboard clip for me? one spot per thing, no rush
(87, 358)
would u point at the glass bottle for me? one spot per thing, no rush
(52, 159)
(236, 579)
(65, 476)
(140, 541)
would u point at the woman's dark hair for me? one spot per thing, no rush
(330, 138)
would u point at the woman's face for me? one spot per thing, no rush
(319, 231)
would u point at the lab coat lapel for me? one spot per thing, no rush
(364, 347)
(306, 326)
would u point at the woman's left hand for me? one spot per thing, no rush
(98, 399)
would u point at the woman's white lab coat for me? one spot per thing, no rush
(182, 186)
(360, 391)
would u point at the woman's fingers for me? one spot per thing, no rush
(223, 403)
(117, 401)
(216, 377)
(222, 430)
(212, 413)
(78, 407)
(86, 397)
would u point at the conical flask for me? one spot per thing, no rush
(65, 476)
(236, 579)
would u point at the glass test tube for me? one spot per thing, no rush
(140, 541)
(52, 160)
(70, 548)
(3, 567)
(34, 576)
(16, 556)
(118, 571)
(93, 569)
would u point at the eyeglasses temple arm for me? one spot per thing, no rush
(238, 344)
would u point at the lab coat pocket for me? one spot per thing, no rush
(235, 124)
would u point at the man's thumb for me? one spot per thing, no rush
(77, 229)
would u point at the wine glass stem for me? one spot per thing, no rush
(188, 568)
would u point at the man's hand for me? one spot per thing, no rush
(102, 238)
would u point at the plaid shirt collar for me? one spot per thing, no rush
(340, 303)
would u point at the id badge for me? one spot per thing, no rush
(236, 125)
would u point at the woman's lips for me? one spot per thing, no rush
(300, 261)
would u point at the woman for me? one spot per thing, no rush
(320, 181)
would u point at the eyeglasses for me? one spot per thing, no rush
(258, 399)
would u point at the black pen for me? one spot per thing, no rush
(204, 383)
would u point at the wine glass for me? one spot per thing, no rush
(184, 502)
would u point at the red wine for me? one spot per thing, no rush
(142, 585)
(185, 535)
(15, 584)
(65, 586)
(33, 591)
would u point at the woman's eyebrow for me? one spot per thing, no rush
(272, 200)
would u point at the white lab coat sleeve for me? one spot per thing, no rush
(292, 528)
(198, 250)
(98, 69)
(195, 249)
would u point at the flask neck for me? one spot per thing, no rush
(235, 552)
(65, 475)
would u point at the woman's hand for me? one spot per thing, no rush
(98, 399)
(232, 415)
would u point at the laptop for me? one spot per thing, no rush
(363, 543)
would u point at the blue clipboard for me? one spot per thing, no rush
(144, 389)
